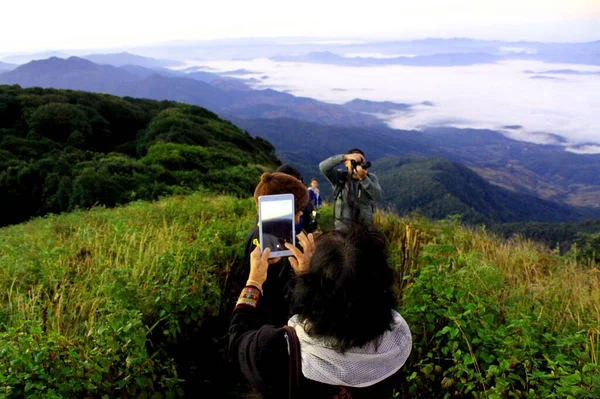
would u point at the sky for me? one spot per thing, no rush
(40, 25)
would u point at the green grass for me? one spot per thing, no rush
(135, 301)
(81, 293)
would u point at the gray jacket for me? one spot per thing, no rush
(363, 193)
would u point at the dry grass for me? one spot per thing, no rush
(55, 271)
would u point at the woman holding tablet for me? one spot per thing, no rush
(275, 308)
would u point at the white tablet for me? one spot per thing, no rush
(276, 223)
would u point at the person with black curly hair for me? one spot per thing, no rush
(345, 338)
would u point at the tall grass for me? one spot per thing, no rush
(494, 317)
(135, 301)
(88, 280)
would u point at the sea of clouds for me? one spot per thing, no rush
(522, 94)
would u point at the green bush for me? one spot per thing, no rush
(480, 330)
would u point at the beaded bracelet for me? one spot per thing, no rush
(248, 297)
(254, 283)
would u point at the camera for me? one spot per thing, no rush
(364, 165)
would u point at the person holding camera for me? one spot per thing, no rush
(355, 189)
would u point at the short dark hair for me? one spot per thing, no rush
(346, 297)
(356, 151)
(314, 179)
(290, 170)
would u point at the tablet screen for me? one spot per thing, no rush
(277, 221)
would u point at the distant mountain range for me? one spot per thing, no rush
(451, 59)
(575, 53)
(137, 81)
(455, 51)
(546, 171)
(449, 52)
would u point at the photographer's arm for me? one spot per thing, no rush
(327, 167)
(371, 186)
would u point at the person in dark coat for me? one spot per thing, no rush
(352, 343)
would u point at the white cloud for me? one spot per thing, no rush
(488, 96)
(585, 149)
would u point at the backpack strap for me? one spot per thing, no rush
(337, 191)
(295, 365)
(341, 182)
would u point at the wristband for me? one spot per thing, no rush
(254, 283)
(248, 297)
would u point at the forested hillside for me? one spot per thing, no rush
(585, 234)
(437, 188)
(61, 150)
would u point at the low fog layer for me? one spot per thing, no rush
(481, 96)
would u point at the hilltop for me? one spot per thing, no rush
(135, 301)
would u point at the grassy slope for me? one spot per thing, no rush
(130, 301)
(93, 284)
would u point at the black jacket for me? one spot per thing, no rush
(260, 353)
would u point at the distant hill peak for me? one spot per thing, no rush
(61, 65)
(126, 58)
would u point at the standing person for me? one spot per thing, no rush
(355, 189)
(314, 194)
(314, 199)
(345, 339)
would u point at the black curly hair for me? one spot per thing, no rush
(346, 297)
